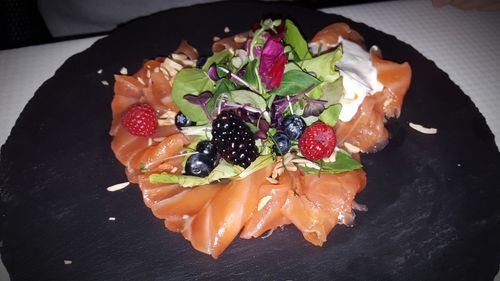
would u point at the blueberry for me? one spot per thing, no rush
(294, 126)
(201, 61)
(282, 144)
(206, 147)
(182, 120)
(199, 165)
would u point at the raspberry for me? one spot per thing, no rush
(233, 139)
(140, 120)
(318, 141)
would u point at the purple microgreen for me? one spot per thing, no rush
(212, 72)
(261, 135)
(236, 78)
(314, 107)
(290, 104)
(201, 100)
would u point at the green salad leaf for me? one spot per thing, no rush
(251, 75)
(294, 38)
(323, 66)
(217, 58)
(222, 86)
(331, 114)
(294, 82)
(191, 81)
(248, 98)
(223, 171)
(259, 163)
(343, 163)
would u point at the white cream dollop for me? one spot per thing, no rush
(359, 78)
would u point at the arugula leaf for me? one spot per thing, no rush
(294, 82)
(296, 41)
(343, 163)
(251, 74)
(331, 92)
(223, 171)
(224, 85)
(259, 163)
(217, 58)
(191, 81)
(324, 66)
(331, 114)
(248, 98)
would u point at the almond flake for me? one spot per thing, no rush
(352, 148)
(117, 187)
(263, 202)
(226, 29)
(68, 262)
(173, 170)
(216, 38)
(112, 218)
(165, 122)
(180, 57)
(148, 73)
(99, 71)
(150, 141)
(272, 181)
(123, 71)
(422, 129)
(141, 81)
(238, 38)
(105, 83)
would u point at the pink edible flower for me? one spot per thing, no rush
(272, 62)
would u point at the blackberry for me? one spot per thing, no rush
(233, 139)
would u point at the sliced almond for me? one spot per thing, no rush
(238, 38)
(215, 38)
(67, 262)
(422, 129)
(112, 218)
(99, 71)
(118, 186)
(272, 180)
(123, 71)
(105, 83)
(226, 29)
(179, 56)
(263, 202)
(141, 81)
(352, 148)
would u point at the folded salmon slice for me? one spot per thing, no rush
(213, 228)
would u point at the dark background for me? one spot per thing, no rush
(21, 23)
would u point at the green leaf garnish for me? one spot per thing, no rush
(251, 75)
(259, 163)
(217, 58)
(294, 82)
(222, 86)
(323, 66)
(296, 41)
(191, 81)
(223, 171)
(248, 98)
(343, 163)
(331, 114)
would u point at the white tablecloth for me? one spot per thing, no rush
(465, 44)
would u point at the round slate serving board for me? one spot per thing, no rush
(433, 199)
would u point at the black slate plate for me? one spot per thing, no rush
(433, 199)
